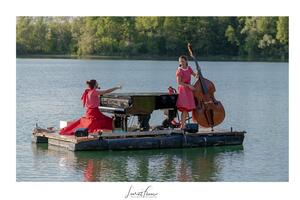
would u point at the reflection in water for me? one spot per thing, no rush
(195, 164)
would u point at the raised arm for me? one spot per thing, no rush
(101, 92)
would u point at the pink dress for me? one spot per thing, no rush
(93, 119)
(185, 101)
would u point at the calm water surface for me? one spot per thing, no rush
(254, 95)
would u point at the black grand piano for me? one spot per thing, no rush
(124, 105)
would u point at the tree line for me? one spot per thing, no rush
(248, 37)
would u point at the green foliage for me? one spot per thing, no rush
(253, 37)
(283, 30)
(231, 35)
(282, 36)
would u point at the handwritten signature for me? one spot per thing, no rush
(141, 193)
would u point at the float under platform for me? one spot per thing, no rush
(158, 139)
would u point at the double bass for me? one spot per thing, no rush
(209, 112)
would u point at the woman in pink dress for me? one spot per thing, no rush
(185, 102)
(93, 119)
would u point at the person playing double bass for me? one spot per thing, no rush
(185, 101)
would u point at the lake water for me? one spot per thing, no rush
(254, 95)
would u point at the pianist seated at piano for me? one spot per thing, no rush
(93, 119)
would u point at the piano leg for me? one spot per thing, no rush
(124, 123)
(118, 122)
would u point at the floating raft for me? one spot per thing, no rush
(158, 139)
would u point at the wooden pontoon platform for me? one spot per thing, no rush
(126, 105)
(155, 139)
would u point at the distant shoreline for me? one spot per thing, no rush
(153, 57)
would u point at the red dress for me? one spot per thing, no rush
(93, 119)
(185, 100)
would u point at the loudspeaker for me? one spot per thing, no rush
(81, 132)
(191, 128)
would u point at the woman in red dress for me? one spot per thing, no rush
(185, 102)
(93, 119)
